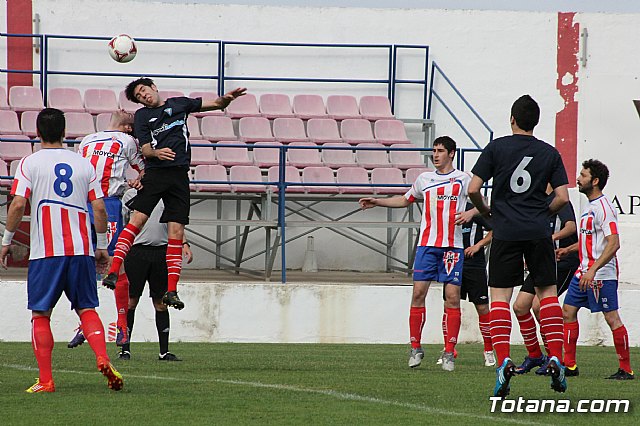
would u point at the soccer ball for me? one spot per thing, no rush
(122, 48)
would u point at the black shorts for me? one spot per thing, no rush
(474, 286)
(147, 263)
(506, 264)
(565, 273)
(171, 184)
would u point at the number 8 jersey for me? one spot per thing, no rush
(58, 183)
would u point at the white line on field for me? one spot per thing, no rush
(331, 393)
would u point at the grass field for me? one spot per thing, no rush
(293, 384)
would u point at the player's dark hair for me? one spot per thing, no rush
(50, 124)
(526, 112)
(447, 142)
(598, 170)
(128, 91)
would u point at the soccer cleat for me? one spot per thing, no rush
(168, 357)
(556, 371)
(124, 355)
(77, 340)
(622, 375)
(171, 298)
(542, 371)
(114, 379)
(504, 373)
(530, 363)
(489, 359)
(448, 361)
(415, 357)
(571, 372)
(42, 387)
(122, 338)
(110, 281)
(439, 361)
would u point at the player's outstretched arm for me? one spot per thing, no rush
(398, 201)
(14, 216)
(223, 101)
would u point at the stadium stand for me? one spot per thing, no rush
(323, 130)
(353, 175)
(25, 98)
(342, 107)
(304, 157)
(231, 155)
(371, 159)
(255, 129)
(336, 158)
(3, 98)
(202, 155)
(166, 94)
(194, 128)
(28, 123)
(244, 106)
(275, 106)
(291, 175)
(102, 121)
(79, 124)
(9, 124)
(389, 132)
(10, 151)
(388, 176)
(206, 96)
(4, 171)
(266, 157)
(217, 128)
(405, 159)
(98, 101)
(356, 131)
(375, 108)
(211, 173)
(66, 99)
(309, 106)
(320, 175)
(126, 104)
(287, 130)
(412, 174)
(250, 174)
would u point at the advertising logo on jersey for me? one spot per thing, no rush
(450, 259)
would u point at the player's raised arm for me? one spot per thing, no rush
(223, 101)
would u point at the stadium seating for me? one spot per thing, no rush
(4, 171)
(102, 121)
(375, 108)
(370, 159)
(246, 174)
(244, 106)
(10, 151)
(3, 99)
(217, 128)
(98, 101)
(254, 129)
(25, 98)
(202, 155)
(166, 94)
(342, 107)
(387, 176)
(323, 130)
(319, 175)
(353, 175)
(336, 158)
(66, 99)
(291, 175)
(390, 132)
(28, 123)
(275, 106)
(412, 174)
(304, 157)
(9, 124)
(232, 156)
(309, 106)
(355, 131)
(194, 128)
(126, 104)
(206, 96)
(266, 157)
(406, 159)
(79, 124)
(211, 173)
(287, 130)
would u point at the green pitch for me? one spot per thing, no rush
(294, 384)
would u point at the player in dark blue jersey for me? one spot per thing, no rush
(521, 167)
(161, 129)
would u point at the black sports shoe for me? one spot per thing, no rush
(110, 281)
(622, 375)
(568, 372)
(124, 355)
(171, 298)
(168, 357)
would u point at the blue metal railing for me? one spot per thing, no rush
(395, 80)
(40, 71)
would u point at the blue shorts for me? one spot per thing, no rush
(48, 277)
(601, 296)
(114, 222)
(441, 264)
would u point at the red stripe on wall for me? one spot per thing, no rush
(19, 49)
(567, 84)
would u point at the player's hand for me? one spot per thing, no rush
(561, 252)
(367, 203)
(164, 154)
(464, 217)
(187, 253)
(230, 96)
(4, 256)
(471, 251)
(586, 279)
(102, 261)
(135, 184)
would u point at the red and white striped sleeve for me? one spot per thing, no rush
(21, 181)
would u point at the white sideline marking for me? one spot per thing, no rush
(331, 393)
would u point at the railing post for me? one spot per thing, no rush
(281, 210)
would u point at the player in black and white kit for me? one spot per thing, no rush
(161, 130)
(521, 167)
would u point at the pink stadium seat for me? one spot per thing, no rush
(126, 104)
(291, 175)
(3, 98)
(254, 129)
(412, 174)
(28, 123)
(375, 108)
(13, 168)
(166, 94)
(25, 98)
(388, 176)
(98, 101)
(287, 130)
(390, 132)
(371, 159)
(66, 99)
(319, 175)
(405, 159)
(4, 171)
(323, 130)
(266, 157)
(217, 128)
(232, 156)
(304, 157)
(9, 123)
(309, 106)
(357, 130)
(194, 128)
(336, 158)
(79, 124)
(353, 175)
(244, 106)
(102, 121)
(342, 107)
(246, 174)
(202, 155)
(10, 151)
(206, 96)
(275, 105)
(212, 173)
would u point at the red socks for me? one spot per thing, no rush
(551, 325)
(453, 328)
(501, 329)
(484, 321)
(125, 241)
(94, 333)
(417, 318)
(444, 326)
(42, 342)
(122, 300)
(571, 332)
(529, 333)
(174, 263)
(621, 342)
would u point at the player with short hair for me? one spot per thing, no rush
(440, 253)
(521, 167)
(161, 129)
(595, 285)
(58, 183)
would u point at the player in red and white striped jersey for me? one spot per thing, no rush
(440, 252)
(58, 183)
(595, 285)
